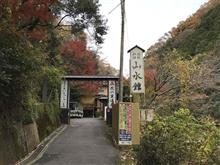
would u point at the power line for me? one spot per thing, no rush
(114, 8)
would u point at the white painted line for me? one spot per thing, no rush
(45, 147)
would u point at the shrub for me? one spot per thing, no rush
(47, 118)
(180, 139)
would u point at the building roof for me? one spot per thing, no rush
(136, 46)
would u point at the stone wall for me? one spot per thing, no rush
(18, 139)
(31, 136)
(9, 148)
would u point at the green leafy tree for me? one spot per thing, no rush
(83, 14)
(179, 139)
(169, 82)
(20, 64)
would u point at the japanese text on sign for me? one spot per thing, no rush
(63, 96)
(111, 94)
(137, 71)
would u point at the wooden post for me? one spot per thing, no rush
(122, 51)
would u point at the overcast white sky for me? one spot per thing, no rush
(146, 22)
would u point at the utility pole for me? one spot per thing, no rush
(122, 50)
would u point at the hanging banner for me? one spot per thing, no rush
(137, 70)
(64, 94)
(125, 124)
(111, 93)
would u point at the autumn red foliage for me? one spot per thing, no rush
(79, 61)
(29, 9)
(34, 16)
(149, 74)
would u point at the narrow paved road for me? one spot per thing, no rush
(84, 142)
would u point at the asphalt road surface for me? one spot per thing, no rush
(84, 142)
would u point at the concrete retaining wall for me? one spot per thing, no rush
(31, 136)
(16, 141)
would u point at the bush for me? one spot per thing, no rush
(47, 118)
(180, 139)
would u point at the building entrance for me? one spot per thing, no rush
(88, 111)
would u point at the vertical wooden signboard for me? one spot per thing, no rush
(111, 94)
(64, 95)
(137, 70)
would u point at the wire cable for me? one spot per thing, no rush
(114, 8)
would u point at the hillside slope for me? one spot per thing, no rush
(185, 63)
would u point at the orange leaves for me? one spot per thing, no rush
(149, 74)
(73, 48)
(78, 59)
(90, 87)
(33, 16)
(37, 34)
(29, 9)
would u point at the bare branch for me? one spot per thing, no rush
(167, 91)
(58, 24)
(152, 100)
(162, 84)
(155, 83)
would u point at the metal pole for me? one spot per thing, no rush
(121, 51)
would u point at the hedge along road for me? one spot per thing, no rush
(84, 142)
